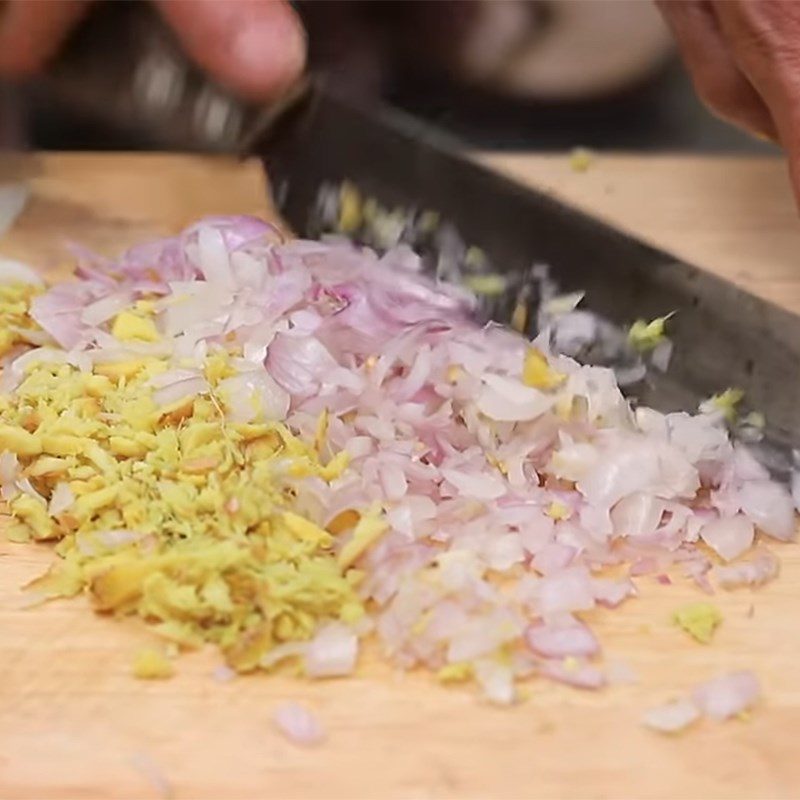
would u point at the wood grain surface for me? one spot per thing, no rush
(75, 724)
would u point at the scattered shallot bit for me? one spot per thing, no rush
(223, 673)
(298, 724)
(728, 695)
(672, 717)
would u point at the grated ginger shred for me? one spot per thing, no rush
(218, 556)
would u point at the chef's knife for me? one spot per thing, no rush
(317, 138)
(723, 336)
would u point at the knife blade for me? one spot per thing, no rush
(722, 335)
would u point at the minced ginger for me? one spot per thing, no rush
(173, 513)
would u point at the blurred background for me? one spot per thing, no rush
(502, 74)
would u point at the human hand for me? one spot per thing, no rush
(257, 48)
(744, 59)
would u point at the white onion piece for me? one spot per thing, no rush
(497, 681)
(568, 590)
(503, 551)
(672, 717)
(760, 569)
(248, 271)
(299, 364)
(173, 376)
(480, 486)
(281, 652)
(482, 636)
(98, 542)
(769, 505)
(638, 514)
(15, 271)
(579, 675)
(611, 593)
(113, 539)
(506, 400)
(332, 652)
(537, 531)
(254, 394)
(39, 355)
(631, 467)
(628, 375)
(298, 724)
(106, 307)
(574, 331)
(61, 499)
(553, 558)
(727, 696)
(195, 303)
(393, 481)
(553, 641)
(573, 460)
(180, 390)
(730, 537)
(9, 472)
(212, 258)
(662, 355)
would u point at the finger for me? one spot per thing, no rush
(765, 40)
(718, 80)
(32, 32)
(255, 47)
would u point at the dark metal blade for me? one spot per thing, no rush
(723, 336)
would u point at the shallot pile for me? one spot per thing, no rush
(462, 493)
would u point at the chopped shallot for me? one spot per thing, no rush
(332, 652)
(729, 537)
(727, 696)
(467, 506)
(756, 571)
(298, 724)
(672, 717)
(553, 641)
(574, 673)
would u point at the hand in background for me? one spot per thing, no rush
(744, 59)
(257, 48)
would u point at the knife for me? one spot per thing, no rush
(317, 140)
(722, 335)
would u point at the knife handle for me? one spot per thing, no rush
(124, 67)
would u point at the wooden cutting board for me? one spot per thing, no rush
(75, 724)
